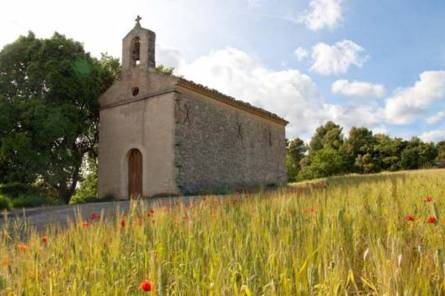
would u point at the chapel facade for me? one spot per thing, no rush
(164, 135)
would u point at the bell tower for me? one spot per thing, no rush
(138, 48)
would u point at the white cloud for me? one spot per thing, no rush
(364, 115)
(379, 129)
(408, 103)
(288, 93)
(358, 89)
(168, 56)
(322, 14)
(301, 53)
(433, 136)
(436, 118)
(337, 58)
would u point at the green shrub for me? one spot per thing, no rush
(30, 201)
(87, 191)
(27, 195)
(5, 203)
(78, 199)
(14, 190)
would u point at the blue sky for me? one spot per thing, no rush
(378, 64)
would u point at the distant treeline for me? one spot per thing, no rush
(330, 153)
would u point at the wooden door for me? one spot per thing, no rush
(134, 173)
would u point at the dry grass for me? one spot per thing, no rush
(342, 236)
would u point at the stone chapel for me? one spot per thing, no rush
(164, 135)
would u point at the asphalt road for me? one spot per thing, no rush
(39, 218)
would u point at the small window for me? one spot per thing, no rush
(240, 130)
(136, 51)
(135, 91)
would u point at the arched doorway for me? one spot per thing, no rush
(134, 173)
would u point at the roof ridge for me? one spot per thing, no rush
(231, 100)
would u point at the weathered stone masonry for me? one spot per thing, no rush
(220, 148)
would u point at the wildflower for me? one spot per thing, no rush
(432, 220)
(22, 247)
(94, 216)
(146, 286)
(151, 212)
(410, 218)
(309, 210)
(123, 222)
(45, 239)
(429, 198)
(85, 224)
(5, 262)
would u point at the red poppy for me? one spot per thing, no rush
(146, 286)
(22, 247)
(123, 222)
(45, 239)
(432, 220)
(309, 210)
(429, 198)
(94, 216)
(410, 218)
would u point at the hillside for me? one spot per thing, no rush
(377, 234)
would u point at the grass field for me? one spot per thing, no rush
(378, 234)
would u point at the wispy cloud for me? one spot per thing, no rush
(358, 89)
(436, 118)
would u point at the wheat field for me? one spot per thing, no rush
(354, 235)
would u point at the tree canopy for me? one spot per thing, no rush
(49, 110)
(330, 153)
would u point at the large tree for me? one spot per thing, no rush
(418, 154)
(326, 156)
(324, 163)
(49, 110)
(388, 151)
(296, 149)
(359, 149)
(329, 135)
(441, 151)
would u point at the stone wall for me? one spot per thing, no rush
(220, 148)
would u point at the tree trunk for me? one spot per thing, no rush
(66, 191)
